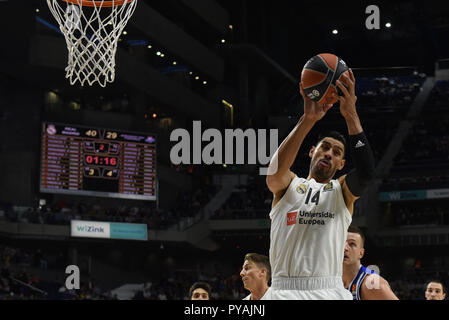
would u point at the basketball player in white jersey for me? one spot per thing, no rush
(310, 216)
(256, 274)
(362, 282)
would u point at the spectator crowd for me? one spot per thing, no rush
(188, 204)
(388, 91)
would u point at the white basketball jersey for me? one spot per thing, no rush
(308, 230)
(266, 296)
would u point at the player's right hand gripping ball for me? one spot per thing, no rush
(319, 76)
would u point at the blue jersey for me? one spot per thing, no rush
(356, 283)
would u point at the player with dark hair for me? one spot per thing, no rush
(200, 291)
(256, 275)
(363, 283)
(310, 216)
(435, 290)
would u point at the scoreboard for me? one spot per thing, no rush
(98, 162)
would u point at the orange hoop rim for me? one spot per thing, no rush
(92, 3)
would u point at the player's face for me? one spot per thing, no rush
(327, 158)
(434, 291)
(353, 249)
(251, 275)
(200, 294)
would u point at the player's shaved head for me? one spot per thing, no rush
(354, 229)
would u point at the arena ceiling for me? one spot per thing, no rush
(291, 31)
(296, 30)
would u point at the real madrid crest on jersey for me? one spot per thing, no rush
(302, 188)
(328, 187)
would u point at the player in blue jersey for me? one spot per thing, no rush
(435, 290)
(363, 283)
(200, 291)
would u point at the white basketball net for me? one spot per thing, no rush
(91, 34)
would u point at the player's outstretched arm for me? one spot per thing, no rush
(374, 287)
(279, 174)
(356, 181)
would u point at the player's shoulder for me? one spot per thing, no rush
(375, 287)
(374, 281)
(296, 181)
(341, 179)
(347, 194)
(367, 269)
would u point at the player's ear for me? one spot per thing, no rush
(362, 252)
(312, 150)
(342, 164)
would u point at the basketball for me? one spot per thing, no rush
(319, 76)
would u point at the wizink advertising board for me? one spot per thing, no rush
(108, 230)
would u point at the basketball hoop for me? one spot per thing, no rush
(91, 30)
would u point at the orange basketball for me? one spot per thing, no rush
(319, 76)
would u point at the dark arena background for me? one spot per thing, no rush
(229, 64)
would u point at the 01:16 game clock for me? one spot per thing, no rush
(98, 162)
(101, 159)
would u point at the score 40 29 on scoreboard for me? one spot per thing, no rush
(98, 162)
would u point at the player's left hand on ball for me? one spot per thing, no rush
(348, 100)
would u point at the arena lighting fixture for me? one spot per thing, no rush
(204, 82)
(125, 32)
(175, 63)
(75, 105)
(197, 78)
(335, 31)
(231, 108)
(388, 25)
(158, 53)
(149, 46)
(162, 55)
(52, 97)
(223, 40)
(37, 10)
